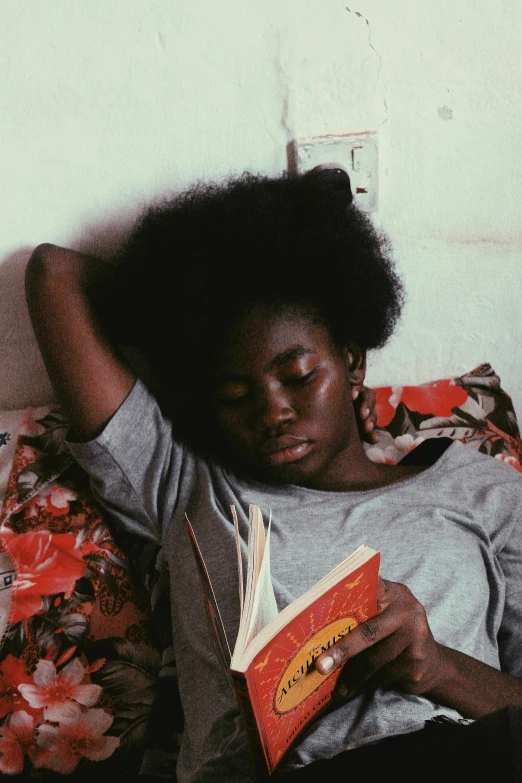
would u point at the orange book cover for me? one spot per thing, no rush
(284, 688)
(278, 688)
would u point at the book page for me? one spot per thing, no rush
(239, 560)
(264, 607)
(260, 605)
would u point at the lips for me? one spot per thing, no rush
(287, 448)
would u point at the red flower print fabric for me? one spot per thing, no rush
(78, 647)
(47, 564)
(60, 694)
(13, 675)
(64, 746)
(437, 398)
(17, 742)
(472, 408)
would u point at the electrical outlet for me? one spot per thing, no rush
(356, 153)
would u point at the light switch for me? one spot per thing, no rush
(356, 153)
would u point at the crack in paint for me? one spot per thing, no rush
(379, 57)
(369, 37)
(284, 86)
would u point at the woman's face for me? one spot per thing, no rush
(281, 399)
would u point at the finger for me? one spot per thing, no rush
(363, 636)
(374, 666)
(372, 416)
(368, 399)
(372, 437)
(406, 672)
(364, 412)
(390, 603)
(352, 684)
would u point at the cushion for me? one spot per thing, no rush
(472, 408)
(87, 676)
(80, 663)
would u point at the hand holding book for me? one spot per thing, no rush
(395, 646)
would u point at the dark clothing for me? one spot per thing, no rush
(490, 749)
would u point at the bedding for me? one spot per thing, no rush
(87, 676)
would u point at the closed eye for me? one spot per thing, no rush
(232, 393)
(300, 380)
(233, 400)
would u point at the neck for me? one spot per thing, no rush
(352, 471)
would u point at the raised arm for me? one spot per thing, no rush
(89, 375)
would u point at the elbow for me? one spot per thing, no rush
(41, 258)
(44, 261)
(41, 268)
(44, 251)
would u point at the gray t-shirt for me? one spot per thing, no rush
(452, 533)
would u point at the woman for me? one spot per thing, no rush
(255, 305)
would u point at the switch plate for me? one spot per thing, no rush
(356, 153)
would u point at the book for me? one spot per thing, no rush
(278, 688)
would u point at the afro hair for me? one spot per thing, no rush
(194, 262)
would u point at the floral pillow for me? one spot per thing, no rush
(472, 408)
(80, 664)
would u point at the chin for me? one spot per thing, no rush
(299, 472)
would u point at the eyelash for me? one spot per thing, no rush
(297, 380)
(300, 380)
(236, 402)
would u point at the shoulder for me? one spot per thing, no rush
(138, 469)
(480, 478)
(468, 459)
(486, 488)
(138, 432)
(449, 461)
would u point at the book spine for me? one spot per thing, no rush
(252, 731)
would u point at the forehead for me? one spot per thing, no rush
(263, 339)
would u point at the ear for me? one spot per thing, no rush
(355, 360)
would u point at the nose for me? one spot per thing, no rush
(275, 408)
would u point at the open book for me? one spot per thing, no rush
(278, 688)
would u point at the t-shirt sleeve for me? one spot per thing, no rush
(134, 465)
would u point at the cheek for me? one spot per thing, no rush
(332, 396)
(230, 426)
(333, 408)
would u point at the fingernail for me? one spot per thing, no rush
(370, 426)
(365, 411)
(355, 394)
(327, 663)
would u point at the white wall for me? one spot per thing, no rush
(106, 104)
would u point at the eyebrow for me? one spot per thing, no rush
(291, 355)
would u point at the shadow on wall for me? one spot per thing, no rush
(105, 239)
(23, 378)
